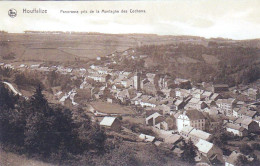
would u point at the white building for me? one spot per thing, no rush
(236, 129)
(192, 118)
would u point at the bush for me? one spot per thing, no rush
(245, 148)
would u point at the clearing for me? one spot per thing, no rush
(109, 108)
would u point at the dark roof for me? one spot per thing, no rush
(194, 114)
(220, 85)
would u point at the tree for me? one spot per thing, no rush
(241, 161)
(47, 128)
(220, 136)
(7, 98)
(38, 102)
(245, 148)
(189, 152)
(90, 135)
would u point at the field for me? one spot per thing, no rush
(134, 119)
(186, 60)
(210, 59)
(111, 108)
(66, 47)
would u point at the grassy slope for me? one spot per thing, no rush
(11, 159)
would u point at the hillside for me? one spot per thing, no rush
(217, 59)
(75, 46)
(219, 62)
(11, 159)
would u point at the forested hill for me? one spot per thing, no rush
(217, 62)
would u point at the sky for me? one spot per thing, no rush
(234, 19)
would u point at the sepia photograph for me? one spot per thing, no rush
(130, 83)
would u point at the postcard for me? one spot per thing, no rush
(127, 83)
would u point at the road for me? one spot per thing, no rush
(12, 88)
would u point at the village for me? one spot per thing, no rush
(174, 109)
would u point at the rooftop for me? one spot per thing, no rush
(200, 134)
(204, 146)
(107, 121)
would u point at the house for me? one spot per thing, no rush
(126, 82)
(219, 88)
(152, 119)
(195, 103)
(195, 135)
(248, 123)
(243, 112)
(101, 70)
(109, 100)
(192, 118)
(236, 129)
(166, 109)
(214, 120)
(215, 96)
(149, 88)
(149, 101)
(168, 92)
(209, 150)
(111, 123)
(226, 106)
(147, 138)
(99, 77)
(179, 104)
(207, 95)
(161, 124)
(257, 120)
(151, 77)
(210, 103)
(232, 158)
(182, 83)
(197, 93)
(165, 82)
(123, 95)
(182, 93)
(172, 139)
(253, 93)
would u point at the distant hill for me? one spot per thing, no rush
(215, 59)
(57, 46)
(220, 62)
